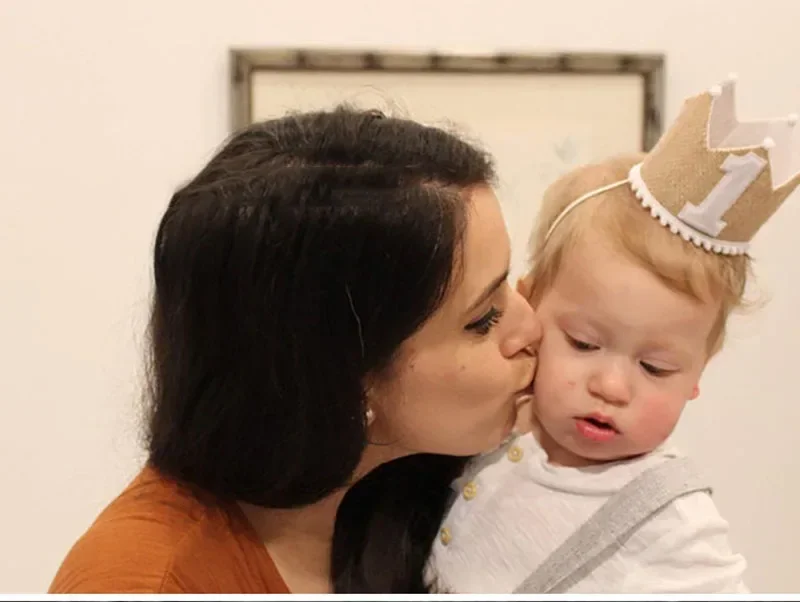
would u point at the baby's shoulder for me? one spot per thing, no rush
(689, 518)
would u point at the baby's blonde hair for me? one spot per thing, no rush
(616, 216)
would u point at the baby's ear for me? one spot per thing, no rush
(525, 286)
(695, 393)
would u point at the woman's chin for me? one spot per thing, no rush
(525, 419)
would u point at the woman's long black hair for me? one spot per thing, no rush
(289, 270)
(387, 523)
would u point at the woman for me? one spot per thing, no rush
(330, 294)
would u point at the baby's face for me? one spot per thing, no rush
(620, 356)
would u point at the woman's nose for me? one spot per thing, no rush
(525, 332)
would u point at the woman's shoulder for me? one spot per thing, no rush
(159, 536)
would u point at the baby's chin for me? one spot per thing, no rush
(599, 456)
(580, 456)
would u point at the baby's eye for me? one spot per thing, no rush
(581, 345)
(655, 370)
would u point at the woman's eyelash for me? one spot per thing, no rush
(484, 324)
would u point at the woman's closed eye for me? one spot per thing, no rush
(484, 324)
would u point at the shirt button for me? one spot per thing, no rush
(445, 536)
(515, 454)
(470, 490)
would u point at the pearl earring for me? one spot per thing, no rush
(369, 415)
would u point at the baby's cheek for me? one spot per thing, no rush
(548, 380)
(657, 418)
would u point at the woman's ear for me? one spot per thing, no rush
(525, 286)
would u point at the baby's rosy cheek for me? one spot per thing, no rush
(658, 418)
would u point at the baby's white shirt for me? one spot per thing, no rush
(513, 509)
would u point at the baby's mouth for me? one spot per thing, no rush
(601, 423)
(598, 429)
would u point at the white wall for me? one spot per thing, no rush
(106, 106)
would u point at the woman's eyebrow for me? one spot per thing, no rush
(487, 292)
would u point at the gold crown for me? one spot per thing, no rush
(715, 180)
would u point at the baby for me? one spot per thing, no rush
(637, 264)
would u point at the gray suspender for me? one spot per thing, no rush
(613, 523)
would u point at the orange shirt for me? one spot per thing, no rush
(158, 537)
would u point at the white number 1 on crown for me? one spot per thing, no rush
(740, 172)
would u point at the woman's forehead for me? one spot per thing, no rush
(486, 250)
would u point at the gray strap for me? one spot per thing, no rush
(611, 525)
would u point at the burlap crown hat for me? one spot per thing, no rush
(712, 179)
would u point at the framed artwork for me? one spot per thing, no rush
(538, 114)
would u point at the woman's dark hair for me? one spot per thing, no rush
(288, 271)
(387, 523)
